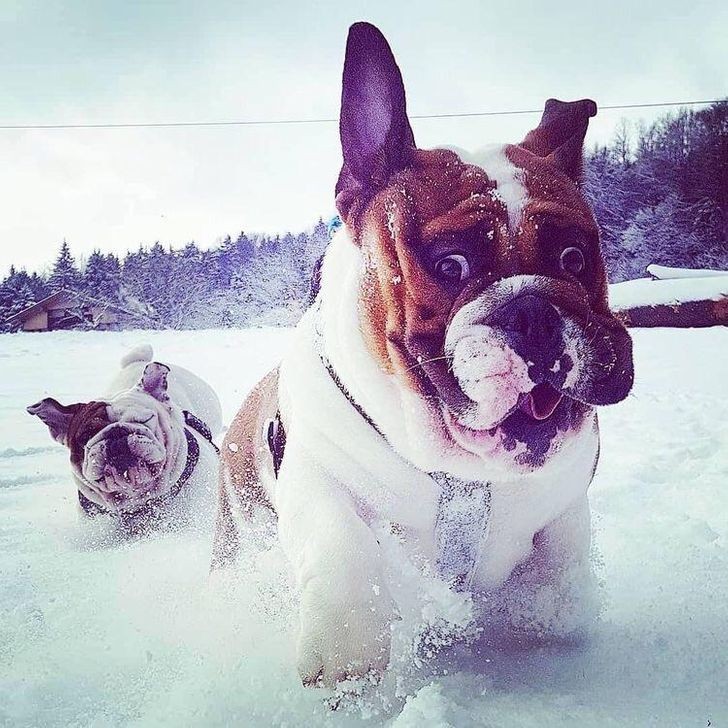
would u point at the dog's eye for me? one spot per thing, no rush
(452, 268)
(572, 261)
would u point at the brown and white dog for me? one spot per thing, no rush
(143, 453)
(444, 380)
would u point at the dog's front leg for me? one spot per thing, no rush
(553, 593)
(345, 610)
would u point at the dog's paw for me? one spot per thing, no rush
(341, 638)
(545, 602)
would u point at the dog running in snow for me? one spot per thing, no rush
(444, 381)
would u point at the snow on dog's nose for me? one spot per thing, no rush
(490, 373)
(506, 353)
(118, 452)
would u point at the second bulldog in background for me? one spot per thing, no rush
(143, 452)
(443, 384)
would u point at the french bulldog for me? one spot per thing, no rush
(444, 381)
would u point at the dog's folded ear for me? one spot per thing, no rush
(376, 137)
(154, 381)
(560, 135)
(56, 416)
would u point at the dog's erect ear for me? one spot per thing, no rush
(560, 135)
(376, 137)
(154, 380)
(56, 416)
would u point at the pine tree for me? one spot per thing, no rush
(39, 286)
(65, 274)
(16, 294)
(102, 277)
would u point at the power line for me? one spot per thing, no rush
(290, 122)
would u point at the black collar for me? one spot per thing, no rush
(155, 505)
(332, 373)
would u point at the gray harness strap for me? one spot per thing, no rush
(463, 519)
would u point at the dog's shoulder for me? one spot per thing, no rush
(245, 452)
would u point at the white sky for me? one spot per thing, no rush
(82, 62)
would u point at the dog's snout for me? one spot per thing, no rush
(534, 329)
(117, 449)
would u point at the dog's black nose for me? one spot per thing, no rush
(117, 449)
(534, 330)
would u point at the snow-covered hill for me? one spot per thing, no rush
(135, 635)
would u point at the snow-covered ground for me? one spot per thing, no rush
(135, 634)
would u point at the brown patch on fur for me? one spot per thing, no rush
(555, 202)
(437, 195)
(244, 456)
(87, 422)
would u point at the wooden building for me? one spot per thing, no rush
(65, 310)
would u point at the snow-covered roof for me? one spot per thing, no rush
(40, 305)
(664, 272)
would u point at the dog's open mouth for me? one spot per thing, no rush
(128, 483)
(539, 404)
(541, 401)
(536, 418)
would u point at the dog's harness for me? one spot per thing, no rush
(192, 422)
(463, 512)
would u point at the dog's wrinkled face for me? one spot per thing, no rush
(122, 450)
(483, 287)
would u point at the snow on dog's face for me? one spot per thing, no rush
(483, 285)
(126, 451)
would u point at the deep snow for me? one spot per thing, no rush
(136, 635)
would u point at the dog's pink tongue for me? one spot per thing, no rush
(541, 401)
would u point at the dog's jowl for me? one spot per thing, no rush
(444, 380)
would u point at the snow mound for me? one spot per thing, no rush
(649, 292)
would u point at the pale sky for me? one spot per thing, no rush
(154, 61)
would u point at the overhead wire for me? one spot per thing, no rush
(291, 122)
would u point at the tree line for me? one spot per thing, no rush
(659, 193)
(252, 280)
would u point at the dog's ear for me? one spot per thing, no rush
(376, 137)
(56, 416)
(559, 137)
(154, 381)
